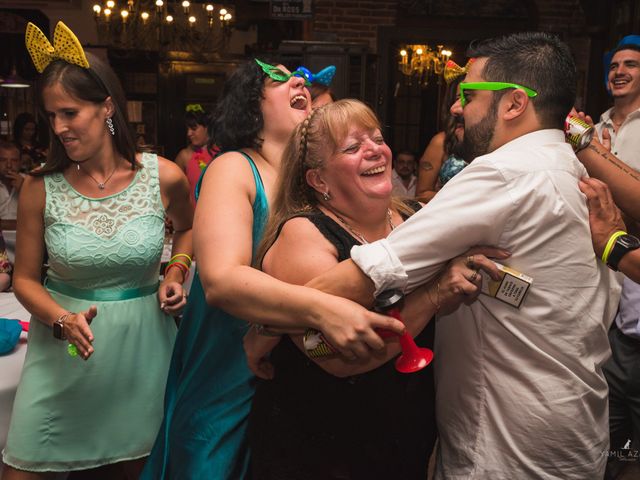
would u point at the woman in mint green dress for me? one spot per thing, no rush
(99, 344)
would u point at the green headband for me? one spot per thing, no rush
(278, 75)
(195, 108)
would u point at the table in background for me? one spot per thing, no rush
(10, 365)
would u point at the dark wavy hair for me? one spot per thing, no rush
(93, 85)
(18, 126)
(537, 60)
(237, 121)
(193, 119)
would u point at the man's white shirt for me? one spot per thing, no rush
(519, 392)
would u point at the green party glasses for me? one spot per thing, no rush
(278, 75)
(490, 86)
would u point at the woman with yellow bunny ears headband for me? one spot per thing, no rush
(91, 392)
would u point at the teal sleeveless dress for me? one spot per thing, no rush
(70, 414)
(209, 389)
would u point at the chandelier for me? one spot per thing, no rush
(422, 61)
(163, 25)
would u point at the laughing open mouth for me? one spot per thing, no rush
(299, 102)
(374, 171)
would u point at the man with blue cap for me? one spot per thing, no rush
(621, 124)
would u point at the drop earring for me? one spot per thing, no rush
(112, 130)
(326, 196)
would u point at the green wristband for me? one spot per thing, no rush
(610, 243)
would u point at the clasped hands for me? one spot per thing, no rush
(459, 283)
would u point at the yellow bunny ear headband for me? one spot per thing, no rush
(66, 46)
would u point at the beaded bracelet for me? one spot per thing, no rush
(181, 266)
(178, 255)
(181, 262)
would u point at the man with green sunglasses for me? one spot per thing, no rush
(520, 391)
(492, 86)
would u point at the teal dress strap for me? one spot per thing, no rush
(260, 204)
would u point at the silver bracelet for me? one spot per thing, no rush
(264, 330)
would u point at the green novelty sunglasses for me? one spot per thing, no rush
(278, 75)
(491, 86)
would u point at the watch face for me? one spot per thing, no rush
(58, 331)
(629, 241)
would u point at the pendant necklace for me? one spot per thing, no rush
(101, 185)
(355, 232)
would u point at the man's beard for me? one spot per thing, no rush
(478, 137)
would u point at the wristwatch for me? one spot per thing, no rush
(58, 327)
(623, 245)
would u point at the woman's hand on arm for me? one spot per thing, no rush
(174, 188)
(459, 283)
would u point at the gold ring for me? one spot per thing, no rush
(470, 262)
(474, 276)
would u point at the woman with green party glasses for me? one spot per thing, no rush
(210, 388)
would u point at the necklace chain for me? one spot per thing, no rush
(616, 124)
(355, 232)
(101, 185)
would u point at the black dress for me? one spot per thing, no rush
(307, 424)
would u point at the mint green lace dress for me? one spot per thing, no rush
(70, 414)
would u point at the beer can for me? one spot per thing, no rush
(577, 132)
(316, 345)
